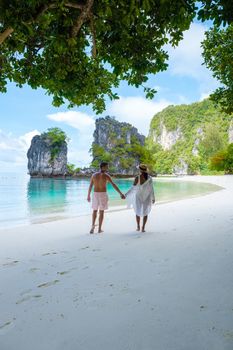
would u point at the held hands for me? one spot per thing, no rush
(122, 196)
(153, 201)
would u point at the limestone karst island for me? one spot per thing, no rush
(182, 140)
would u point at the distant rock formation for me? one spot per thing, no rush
(118, 143)
(177, 137)
(166, 138)
(43, 161)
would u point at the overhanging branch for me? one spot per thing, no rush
(80, 5)
(93, 33)
(77, 5)
(5, 34)
(84, 15)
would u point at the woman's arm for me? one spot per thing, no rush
(153, 192)
(115, 186)
(135, 181)
(133, 188)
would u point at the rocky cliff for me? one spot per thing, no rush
(183, 138)
(118, 143)
(46, 158)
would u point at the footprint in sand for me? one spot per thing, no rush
(48, 284)
(5, 324)
(63, 272)
(71, 260)
(85, 247)
(202, 307)
(33, 269)
(36, 296)
(25, 291)
(228, 334)
(49, 253)
(12, 263)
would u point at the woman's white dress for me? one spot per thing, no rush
(140, 197)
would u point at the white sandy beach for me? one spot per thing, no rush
(168, 289)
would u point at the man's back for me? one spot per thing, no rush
(100, 182)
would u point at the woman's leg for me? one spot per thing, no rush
(144, 223)
(138, 222)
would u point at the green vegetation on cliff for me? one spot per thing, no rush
(119, 144)
(184, 138)
(56, 138)
(123, 154)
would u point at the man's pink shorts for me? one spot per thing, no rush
(99, 201)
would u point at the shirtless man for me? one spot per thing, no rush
(100, 198)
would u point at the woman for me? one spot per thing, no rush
(141, 196)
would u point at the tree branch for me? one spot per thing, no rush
(5, 34)
(42, 9)
(84, 15)
(93, 33)
(81, 5)
(75, 5)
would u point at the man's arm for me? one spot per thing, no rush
(115, 186)
(89, 190)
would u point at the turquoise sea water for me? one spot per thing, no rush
(25, 201)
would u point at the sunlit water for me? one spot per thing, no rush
(25, 201)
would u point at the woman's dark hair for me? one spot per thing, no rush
(145, 175)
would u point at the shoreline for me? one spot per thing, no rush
(116, 207)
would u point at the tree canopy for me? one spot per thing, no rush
(80, 50)
(218, 55)
(223, 160)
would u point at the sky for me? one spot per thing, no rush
(26, 112)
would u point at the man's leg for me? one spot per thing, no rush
(94, 215)
(138, 222)
(144, 223)
(101, 218)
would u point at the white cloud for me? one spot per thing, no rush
(77, 120)
(13, 149)
(204, 95)
(25, 140)
(186, 60)
(136, 110)
(78, 157)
